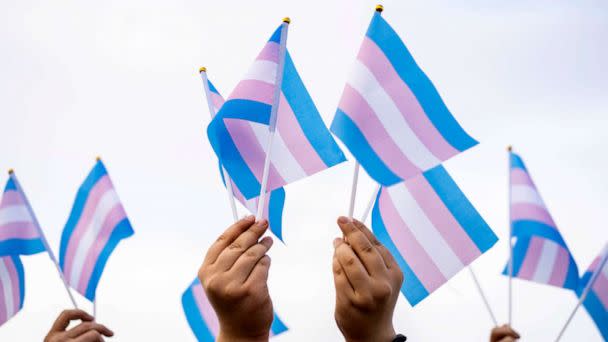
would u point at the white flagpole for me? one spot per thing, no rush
(370, 204)
(510, 266)
(95, 308)
(229, 189)
(482, 294)
(353, 191)
(585, 291)
(272, 123)
(44, 240)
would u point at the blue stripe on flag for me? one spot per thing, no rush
(122, 230)
(598, 313)
(460, 207)
(571, 281)
(212, 87)
(275, 212)
(535, 228)
(276, 36)
(277, 326)
(195, 318)
(20, 278)
(21, 246)
(519, 254)
(308, 116)
(517, 162)
(412, 288)
(246, 110)
(397, 53)
(345, 129)
(10, 184)
(98, 171)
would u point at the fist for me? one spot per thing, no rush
(504, 333)
(86, 331)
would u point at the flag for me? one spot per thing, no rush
(12, 287)
(390, 116)
(540, 254)
(239, 133)
(202, 318)
(431, 229)
(96, 225)
(19, 230)
(274, 203)
(596, 301)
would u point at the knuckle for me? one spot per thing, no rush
(236, 246)
(363, 301)
(251, 253)
(232, 292)
(382, 291)
(265, 261)
(367, 248)
(222, 238)
(350, 261)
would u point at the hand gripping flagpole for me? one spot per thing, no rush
(597, 272)
(229, 189)
(272, 123)
(510, 266)
(43, 237)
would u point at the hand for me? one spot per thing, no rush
(234, 276)
(504, 333)
(367, 281)
(87, 331)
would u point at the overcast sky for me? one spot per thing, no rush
(120, 79)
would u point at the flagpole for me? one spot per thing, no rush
(272, 122)
(509, 149)
(370, 204)
(353, 191)
(43, 237)
(229, 190)
(482, 294)
(95, 308)
(585, 292)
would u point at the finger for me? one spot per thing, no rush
(227, 238)
(352, 266)
(369, 256)
(503, 331)
(247, 261)
(86, 326)
(388, 258)
(343, 286)
(89, 336)
(63, 321)
(248, 238)
(259, 274)
(508, 339)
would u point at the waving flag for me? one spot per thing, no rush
(19, 230)
(239, 133)
(540, 253)
(273, 207)
(596, 300)
(390, 116)
(96, 225)
(12, 287)
(202, 318)
(431, 229)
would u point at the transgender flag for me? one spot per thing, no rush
(431, 229)
(390, 116)
(202, 319)
(540, 253)
(273, 208)
(19, 230)
(12, 287)
(239, 133)
(596, 301)
(96, 224)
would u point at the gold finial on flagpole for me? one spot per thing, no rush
(379, 8)
(202, 69)
(98, 158)
(509, 148)
(11, 171)
(287, 20)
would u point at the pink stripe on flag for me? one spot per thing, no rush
(526, 211)
(531, 259)
(560, 267)
(413, 253)
(3, 312)
(11, 197)
(14, 277)
(442, 219)
(217, 100)
(102, 186)
(254, 90)
(521, 177)
(270, 52)
(114, 217)
(364, 117)
(296, 140)
(206, 310)
(375, 60)
(600, 287)
(18, 230)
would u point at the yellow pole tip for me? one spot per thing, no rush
(98, 158)
(202, 69)
(509, 148)
(11, 171)
(287, 20)
(379, 8)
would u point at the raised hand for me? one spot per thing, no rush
(86, 331)
(504, 333)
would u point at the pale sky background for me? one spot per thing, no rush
(120, 79)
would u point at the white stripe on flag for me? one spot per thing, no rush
(424, 231)
(526, 194)
(605, 270)
(262, 70)
(546, 262)
(14, 213)
(251, 205)
(8, 289)
(388, 113)
(107, 202)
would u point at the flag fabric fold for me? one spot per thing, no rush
(540, 254)
(202, 318)
(97, 223)
(12, 287)
(596, 302)
(239, 133)
(390, 116)
(431, 229)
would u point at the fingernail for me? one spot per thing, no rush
(263, 222)
(343, 219)
(249, 218)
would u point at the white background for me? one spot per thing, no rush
(120, 79)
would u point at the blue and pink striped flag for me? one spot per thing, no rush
(390, 116)
(275, 201)
(239, 133)
(596, 301)
(202, 318)
(97, 223)
(540, 254)
(12, 287)
(19, 230)
(431, 229)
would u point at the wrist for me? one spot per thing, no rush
(386, 335)
(227, 336)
